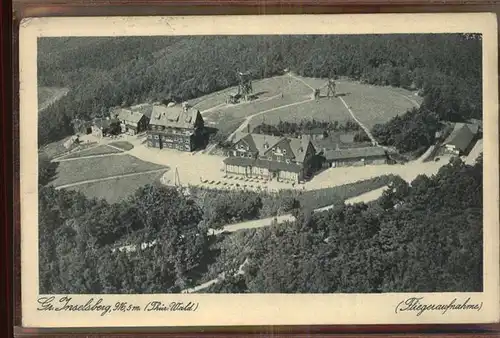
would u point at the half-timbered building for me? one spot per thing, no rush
(271, 157)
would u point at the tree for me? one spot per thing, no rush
(46, 169)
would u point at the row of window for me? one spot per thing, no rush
(270, 158)
(169, 145)
(170, 130)
(277, 151)
(165, 138)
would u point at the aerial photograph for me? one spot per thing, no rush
(260, 164)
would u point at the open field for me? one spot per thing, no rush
(323, 109)
(49, 95)
(95, 168)
(99, 150)
(263, 89)
(124, 145)
(372, 104)
(117, 189)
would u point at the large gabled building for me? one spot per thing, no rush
(271, 157)
(174, 126)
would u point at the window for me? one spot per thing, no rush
(287, 161)
(156, 137)
(150, 136)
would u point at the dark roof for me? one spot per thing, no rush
(261, 144)
(461, 136)
(271, 165)
(174, 116)
(352, 153)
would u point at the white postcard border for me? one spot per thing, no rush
(258, 309)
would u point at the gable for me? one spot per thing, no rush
(282, 148)
(242, 145)
(246, 144)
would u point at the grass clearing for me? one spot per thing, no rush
(372, 104)
(99, 150)
(323, 109)
(124, 145)
(102, 167)
(263, 88)
(117, 189)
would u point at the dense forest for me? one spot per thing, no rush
(426, 236)
(106, 72)
(420, 238)
(413, 131)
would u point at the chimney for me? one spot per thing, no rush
(248, 128)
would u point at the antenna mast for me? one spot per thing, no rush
(177, 180)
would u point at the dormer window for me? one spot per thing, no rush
(266, 145)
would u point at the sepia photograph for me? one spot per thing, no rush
(305, 163)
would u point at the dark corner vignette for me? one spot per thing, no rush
(6, 199)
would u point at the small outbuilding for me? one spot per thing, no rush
(132, 122)
(460, 139)
(354, 157)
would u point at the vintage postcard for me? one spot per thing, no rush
(259, 170)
